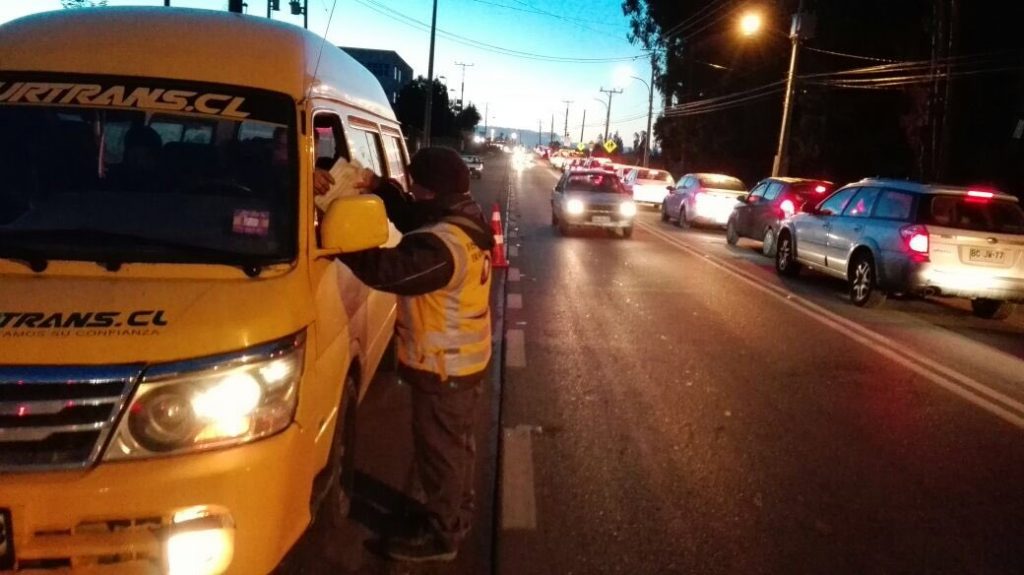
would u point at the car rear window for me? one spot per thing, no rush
(983, 215)
(606, 183)
(723, 183)
(809, 191)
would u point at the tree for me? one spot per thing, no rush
(83, 3)
(411, 103)
(468, 119)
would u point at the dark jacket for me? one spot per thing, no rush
(420, 263)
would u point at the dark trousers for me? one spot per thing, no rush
(443, 418)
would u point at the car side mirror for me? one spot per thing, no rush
(354, 224)
(670, 188)
(743, 199)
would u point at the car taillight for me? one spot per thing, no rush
(917, 240)
(787, 207)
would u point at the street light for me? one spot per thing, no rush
(750, 23)
(650, 113)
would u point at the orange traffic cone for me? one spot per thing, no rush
(498, 253)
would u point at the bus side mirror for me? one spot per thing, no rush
(354, 224)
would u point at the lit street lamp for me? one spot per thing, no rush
(750, 23)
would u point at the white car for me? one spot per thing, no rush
(475, 165)
(649, 186)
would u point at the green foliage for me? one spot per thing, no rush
(83, 3)
(411, 105)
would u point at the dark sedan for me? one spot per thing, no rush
(757, 215)
(592, 198)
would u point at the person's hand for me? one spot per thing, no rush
(368, 181)
(322, 181)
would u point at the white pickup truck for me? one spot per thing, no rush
(476, 166)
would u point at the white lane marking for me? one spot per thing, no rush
(513, 251)
(962, 385)
(518, 501)
(515, 348)
(514, 301)
(514, 275)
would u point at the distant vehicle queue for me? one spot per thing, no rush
(881, 236)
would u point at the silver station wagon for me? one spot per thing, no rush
(885, 236)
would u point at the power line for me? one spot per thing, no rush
(844, 55)
(409, 21)
(534, 10)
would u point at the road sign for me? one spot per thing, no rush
(610, 146)
(581, 146)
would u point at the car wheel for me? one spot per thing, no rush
(681, 221)
(992, 308)
(768, 243)
(863, 281)
(730, 232)
(563, 228)
(785, 259)
(664, 211)
(627, 232)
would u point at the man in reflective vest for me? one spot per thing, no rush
(441, 271)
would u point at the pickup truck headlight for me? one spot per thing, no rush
(627, 209)
(212, 402)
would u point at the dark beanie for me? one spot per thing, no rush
(441, 170)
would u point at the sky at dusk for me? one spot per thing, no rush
(516, 90)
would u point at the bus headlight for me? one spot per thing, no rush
(213, 402)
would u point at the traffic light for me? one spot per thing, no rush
(275, 4)
(296, 7)
(235, 6)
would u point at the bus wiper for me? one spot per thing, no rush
(252, 266)
(31, 258)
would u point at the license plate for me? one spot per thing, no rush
(986, 255)
(601, 219)
(6, 541)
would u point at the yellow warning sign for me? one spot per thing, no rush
(610, 146)
(581, 146)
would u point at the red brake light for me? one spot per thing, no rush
(977, 194)
(917, 239)
(820, 189)
(787, 207)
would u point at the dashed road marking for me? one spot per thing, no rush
(515, 348)
(513, 251)
(514, 301)
(518, 501)
(514, 275)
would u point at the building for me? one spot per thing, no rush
(389, 68)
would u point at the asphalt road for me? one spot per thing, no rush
(667, 404)
(671, 406)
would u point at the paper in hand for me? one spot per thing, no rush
(347, 175)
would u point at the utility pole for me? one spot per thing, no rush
(462, 93)
(650, 117)
(552, 128)
(540, 131)
(567, 102)
(608, 113)
(487, 106)
(430, 80)
(797, 32)
(584, 125)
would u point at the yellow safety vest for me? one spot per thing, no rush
(448, 331)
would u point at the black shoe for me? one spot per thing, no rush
(427, 545)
